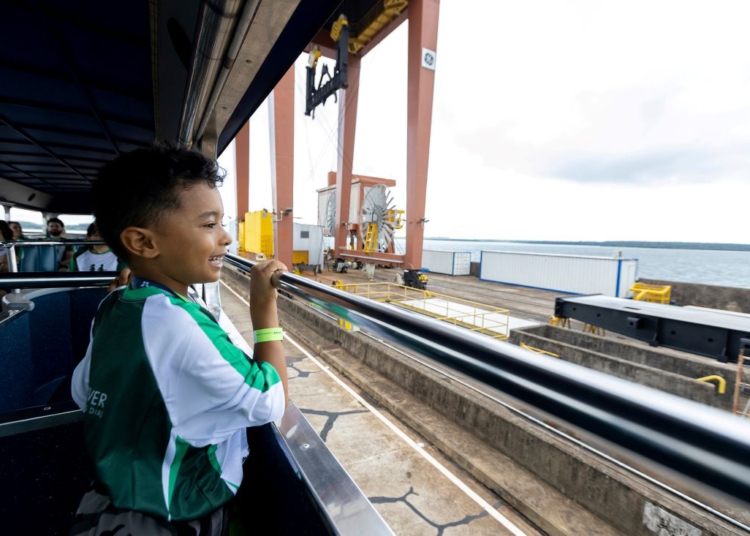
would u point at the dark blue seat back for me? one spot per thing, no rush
(40, 348)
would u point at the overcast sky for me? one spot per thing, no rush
(567, 121)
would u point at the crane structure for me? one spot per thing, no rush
(346, 38)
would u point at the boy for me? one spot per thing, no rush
(166, 396)
(95, 258)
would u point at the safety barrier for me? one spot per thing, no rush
(479, 317)
(703, 443)
(706, 444)
(652, 293)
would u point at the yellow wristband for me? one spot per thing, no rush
(268, 335)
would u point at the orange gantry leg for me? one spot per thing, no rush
(423, 28)
(242, 158)
(348, 99)
(282, 138)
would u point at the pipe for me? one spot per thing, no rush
(216, 23)
(699, 442)
(243, 26)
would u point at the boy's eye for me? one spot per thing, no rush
(210, 225)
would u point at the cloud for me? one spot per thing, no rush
(651, 167)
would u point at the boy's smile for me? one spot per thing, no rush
(190, 240)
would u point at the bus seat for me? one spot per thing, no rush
(40, 348)
(41, 258)
(16, 364)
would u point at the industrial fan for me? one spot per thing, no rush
(327, 212)
(380, 219)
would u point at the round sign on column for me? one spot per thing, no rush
(429, 57)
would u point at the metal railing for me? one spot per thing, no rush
(474, 316)
(699, 442)
(702, 443)
(13, 244)
(652, 293)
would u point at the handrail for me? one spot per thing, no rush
(29, 243)
(56, 279)
(700, 442)
(721, 383)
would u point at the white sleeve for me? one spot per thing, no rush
(79, 385)
(210, 388)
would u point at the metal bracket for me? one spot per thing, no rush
(315, 96)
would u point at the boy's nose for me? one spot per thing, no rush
(227, 238)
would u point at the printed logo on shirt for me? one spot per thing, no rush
(95, 402)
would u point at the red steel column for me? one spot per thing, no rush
(282, 138)
(423, 28)
(347, 128)
(242, 165)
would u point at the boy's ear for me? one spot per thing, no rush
(139, 242)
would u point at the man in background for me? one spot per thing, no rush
(63, 254)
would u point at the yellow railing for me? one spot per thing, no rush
(721, 383)
(538, 350)
(479, 317)
(652, 293)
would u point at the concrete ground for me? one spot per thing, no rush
(402, 475)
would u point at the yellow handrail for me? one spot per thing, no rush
(721, 382)
(538, 350)
(652, 293)
(471, 315)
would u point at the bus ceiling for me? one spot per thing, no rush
(86, 81)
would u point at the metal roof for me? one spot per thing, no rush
(84, 81)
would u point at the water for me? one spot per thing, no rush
(726, 268)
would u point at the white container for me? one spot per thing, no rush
(572, 274)
(309, 238)
(447, 262)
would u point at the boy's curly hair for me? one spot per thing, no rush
(138, 188)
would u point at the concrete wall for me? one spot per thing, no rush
(711, 296)
(602, 488)
(581, 353)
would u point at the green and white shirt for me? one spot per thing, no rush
(88, 260)
(167, 398)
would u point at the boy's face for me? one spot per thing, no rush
(191, 239)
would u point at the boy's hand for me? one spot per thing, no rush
(122, 279)
(263, 294)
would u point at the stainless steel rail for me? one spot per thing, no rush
(56, 279)
(29, 243)
(702, 443)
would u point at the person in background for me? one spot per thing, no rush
(98, 258)
(17, 235)
(17, 230)
(6, 235)
(56, 231)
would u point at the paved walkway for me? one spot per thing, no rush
(415, 488)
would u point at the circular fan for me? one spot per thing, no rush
(378, 208)
(330, 216)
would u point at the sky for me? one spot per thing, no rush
(552, 121)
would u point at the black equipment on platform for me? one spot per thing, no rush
(717, 334)
(412, 279)
(315, 96)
